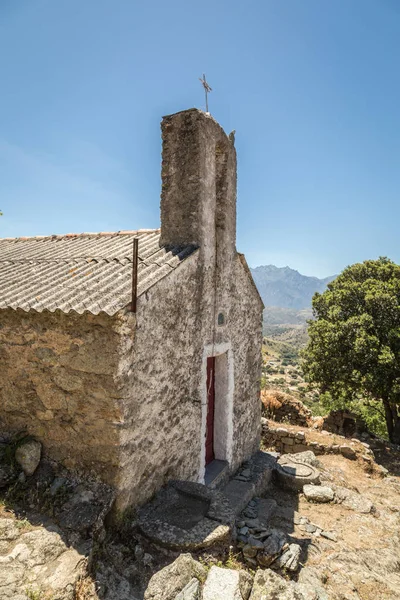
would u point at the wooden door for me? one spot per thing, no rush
(210, 409)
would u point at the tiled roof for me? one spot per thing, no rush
(81, 272)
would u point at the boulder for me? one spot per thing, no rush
(226, 584)
(27, 455)
(167, 583)
(318, 493)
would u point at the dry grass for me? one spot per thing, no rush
(85, 589)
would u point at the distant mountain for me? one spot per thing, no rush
(286, 288)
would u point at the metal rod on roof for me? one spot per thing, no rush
(135, 259)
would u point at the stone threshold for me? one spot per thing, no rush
(217, 474)
(252, 479)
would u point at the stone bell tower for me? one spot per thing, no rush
(198, 195)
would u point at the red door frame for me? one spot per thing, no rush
(210, 409)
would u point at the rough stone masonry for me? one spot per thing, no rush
(123, 396)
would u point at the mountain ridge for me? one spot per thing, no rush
(285, 287)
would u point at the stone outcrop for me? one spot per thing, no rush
(37, 562)
(271, 586)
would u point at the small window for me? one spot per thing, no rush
(221, 319)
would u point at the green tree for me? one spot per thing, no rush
(354, 339)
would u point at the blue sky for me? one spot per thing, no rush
(312, 88)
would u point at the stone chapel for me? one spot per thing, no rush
(135, 356)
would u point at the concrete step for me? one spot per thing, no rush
(251, 480)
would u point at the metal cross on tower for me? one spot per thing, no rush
(207, 89)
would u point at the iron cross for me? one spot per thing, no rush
(206, 89)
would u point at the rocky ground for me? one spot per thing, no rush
(338, 540)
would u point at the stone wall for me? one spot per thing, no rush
(163, 376)
(57, 382)
(289, 441)
(343, 422)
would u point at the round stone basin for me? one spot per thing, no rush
(294, 474)
(187, 516)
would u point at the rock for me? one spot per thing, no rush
(252, 523)
(318, 493)
(7, 476)
(57, 484)
(167, 583)
(288, 441)
(311, 528)
(147, 560)
(253, 541)
(250, 513)
(8, 530)
(245, 584)
(348, 452)
(191, 591)
(244, 530)
(250, 551)
(139, 552)
(297, 518)
(226, 584)
(309, 579)
(273, 546)
(37, 560)
(282, 431)
(290, 558)
(329, 535)
(28, 456)
(271, 586)
(308, 457)
(353, 500)
(382, 470)
(80, 517)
